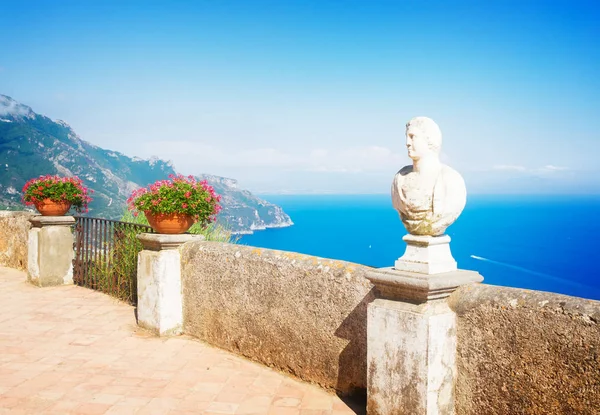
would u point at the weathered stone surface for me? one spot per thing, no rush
(159, 291)
(50, 251)
(411, 358)
(160, 242)
(298, 313)
(159, 296)
(14, 231)
(41, 221)
(414, 287)
(526, 352)
(426, 255)
(411, 342)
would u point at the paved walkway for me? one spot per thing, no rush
(70, 350)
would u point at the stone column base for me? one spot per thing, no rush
(414, 287)
(160, 306)
(50, 251)
(426, 255)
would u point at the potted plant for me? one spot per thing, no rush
(54, 195)
(172, 206)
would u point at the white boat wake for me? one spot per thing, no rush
(528, 271)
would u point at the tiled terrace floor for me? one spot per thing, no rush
(67, 350)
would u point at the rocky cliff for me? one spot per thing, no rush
(32, 145)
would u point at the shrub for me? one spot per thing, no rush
(57, 189)
(111, 263)
(114, 270)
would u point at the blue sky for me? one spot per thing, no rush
(312, 96)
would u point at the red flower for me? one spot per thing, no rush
(179, 194)
(57, 188)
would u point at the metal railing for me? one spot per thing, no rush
(106, 256)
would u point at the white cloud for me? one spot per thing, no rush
(354, 160)
(516, 168)
(550, 167)
(187, 154)
(10, 107)
(509, 167)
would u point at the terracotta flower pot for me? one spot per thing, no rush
(49, 207)
(171, 223)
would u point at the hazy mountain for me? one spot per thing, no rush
(32, 145)
(242, 210)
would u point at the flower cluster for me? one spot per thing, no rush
(179, 194)
(57, 189)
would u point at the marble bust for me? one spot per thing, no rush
(428, 195)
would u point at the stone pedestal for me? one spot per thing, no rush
(426, 255)
(50, 251)
(160, 307)
(411, 342)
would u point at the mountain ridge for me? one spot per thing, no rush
(32, 144)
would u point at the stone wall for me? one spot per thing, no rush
(14, 231)
(526, 352)
(519, 351)
(297, 313)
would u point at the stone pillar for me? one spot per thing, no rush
(411, 331)
(50, 251)
(411, 342)
(160, 305)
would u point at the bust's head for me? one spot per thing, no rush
(423, 137)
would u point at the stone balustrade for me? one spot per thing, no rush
(14, 236)
(324, 321)
(445, 339)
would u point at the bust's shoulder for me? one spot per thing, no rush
(451, 177)
(449, 172)
(399, 177)
(405, 170)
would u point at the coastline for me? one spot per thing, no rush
(253, 228)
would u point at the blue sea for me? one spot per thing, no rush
(547, 243)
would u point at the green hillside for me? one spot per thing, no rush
(32, 145)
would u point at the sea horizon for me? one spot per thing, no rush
(265, 195)
(537, 242)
